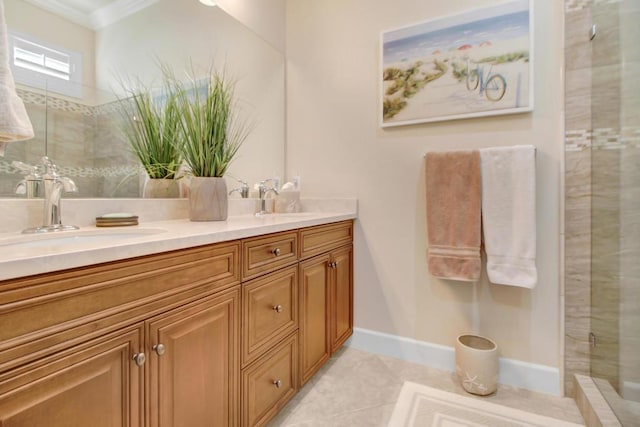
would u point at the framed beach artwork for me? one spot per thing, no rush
(473, 64)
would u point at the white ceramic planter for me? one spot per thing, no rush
(208, 199)
(477, 364)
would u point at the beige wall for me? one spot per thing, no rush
(335, 143)
(266, 18)
(26, 18)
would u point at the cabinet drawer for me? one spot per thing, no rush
(269, 311)
(269, 383)
(262, 255)
(316, 240)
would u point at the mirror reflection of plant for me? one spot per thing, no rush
(152, 128)
(211, 130)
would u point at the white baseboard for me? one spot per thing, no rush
(540, 378)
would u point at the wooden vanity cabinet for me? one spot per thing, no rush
(217, 335)
(326, 294)
(85, 343)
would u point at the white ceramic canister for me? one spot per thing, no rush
(477, 364)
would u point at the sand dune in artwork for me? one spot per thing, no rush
(446, 92)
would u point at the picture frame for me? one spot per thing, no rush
(475, 63)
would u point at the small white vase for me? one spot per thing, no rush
(161, 189)
(208, 199)
(477, 364)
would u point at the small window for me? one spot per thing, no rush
(40, 65)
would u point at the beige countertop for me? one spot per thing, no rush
(26, 255)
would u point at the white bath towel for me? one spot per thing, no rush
(14, 121)
(509, 214)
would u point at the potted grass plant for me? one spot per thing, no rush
(152, 125)
(211, 134)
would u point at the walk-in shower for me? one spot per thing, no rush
(602, 200)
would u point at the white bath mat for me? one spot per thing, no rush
(423, 406)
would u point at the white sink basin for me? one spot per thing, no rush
(63, 238)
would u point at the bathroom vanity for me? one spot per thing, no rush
(182, 328)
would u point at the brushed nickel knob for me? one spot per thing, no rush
(278, 308)
(275, 251)
(277, 383)
(160, 349)
(139, 358)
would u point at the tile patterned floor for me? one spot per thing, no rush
(356, 388)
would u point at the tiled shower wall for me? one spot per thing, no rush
(602, 224)
(84, 141)
(578, 139)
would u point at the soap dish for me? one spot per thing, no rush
(116, 220)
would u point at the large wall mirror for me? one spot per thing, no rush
(82, 132)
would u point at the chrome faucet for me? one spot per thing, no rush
(31, 185)
(54, 185)
(263, 190)
(243, 190)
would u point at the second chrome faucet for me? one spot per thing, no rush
(263, 191)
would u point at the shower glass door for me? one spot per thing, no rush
(615, 214)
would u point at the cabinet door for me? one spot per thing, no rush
(314, 315)
(194, 364)
(95, 384)
(341, 313)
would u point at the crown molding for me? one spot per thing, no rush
(116, 11)
(61, 9)
(100, 18)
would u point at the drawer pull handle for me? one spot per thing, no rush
(160, 349)
(277, 383)
(139, 358)
(278, 308)
(333, 264)
(276, 251)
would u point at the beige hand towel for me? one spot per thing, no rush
(14, 122)
(509, 214)
(453, 214)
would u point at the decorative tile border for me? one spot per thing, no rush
(33, 98)
(73, 171)
(111, 171)
(578, 140)
(108, 108)
(602, 139)
(43, 99)
(631, 136)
